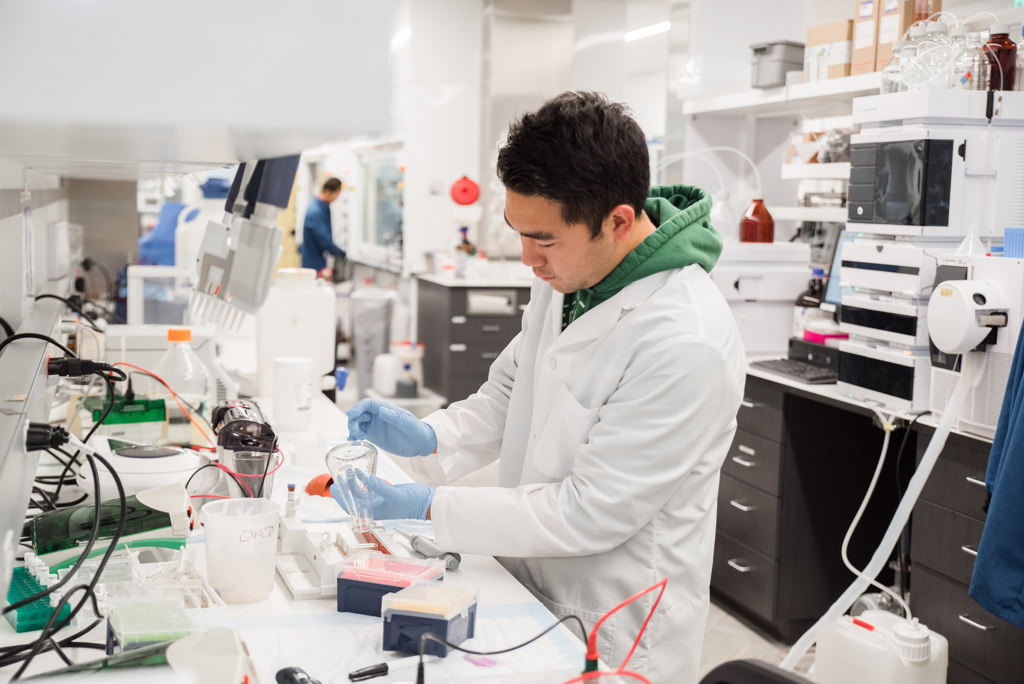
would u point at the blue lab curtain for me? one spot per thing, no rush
(998, 580)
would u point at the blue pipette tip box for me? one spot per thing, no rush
(449, 612)
(363, 581)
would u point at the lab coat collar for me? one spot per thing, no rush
(595, 323)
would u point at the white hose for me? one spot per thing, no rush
(972, 368)
(718, 148)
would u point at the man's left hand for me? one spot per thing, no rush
(409, 501)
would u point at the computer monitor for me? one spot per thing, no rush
(833, 290)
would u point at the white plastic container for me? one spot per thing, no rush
(386, 370)
(293, 393)
(880, 648)
(297, 319)
(241, 543)
(182, 369)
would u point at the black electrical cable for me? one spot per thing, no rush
(49, 627)
(901, 551)
(8, 330)
(266, 467)
(36, 336)
(241, 487)
(430, 636)
(74, 307)
(88, 263)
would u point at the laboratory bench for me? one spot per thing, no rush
(281, 632)
(794, 476)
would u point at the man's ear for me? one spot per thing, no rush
(621, 217)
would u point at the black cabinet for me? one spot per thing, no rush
(946, 528)
(790, 486)
(463, 329)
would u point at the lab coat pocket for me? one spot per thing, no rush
(605, 636)
(566, 429)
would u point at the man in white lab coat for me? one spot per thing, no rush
(610, 412)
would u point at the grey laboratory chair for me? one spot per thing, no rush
(751, 672)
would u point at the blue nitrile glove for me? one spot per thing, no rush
(394, 502)
(391, 428)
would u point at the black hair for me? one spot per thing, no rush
(332, 185)
(582, 151)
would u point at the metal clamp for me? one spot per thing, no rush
(739, 506)
(976, 625)
(737, 566)
(743, 462)
(968, 550)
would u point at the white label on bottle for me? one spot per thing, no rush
(863, 35)
(889, 29)
(867, 9)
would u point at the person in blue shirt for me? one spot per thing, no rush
(317, 237)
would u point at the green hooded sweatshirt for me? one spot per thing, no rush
(684, 236)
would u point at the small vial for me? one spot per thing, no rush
(292, 504)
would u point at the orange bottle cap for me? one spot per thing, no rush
(179, 335)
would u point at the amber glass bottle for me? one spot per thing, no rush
(757, 224)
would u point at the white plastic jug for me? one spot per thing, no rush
(297, 319)
(881, 648)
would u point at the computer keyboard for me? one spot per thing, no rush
(798, 370)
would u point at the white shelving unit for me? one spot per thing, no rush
(834, 171)
(819, 98)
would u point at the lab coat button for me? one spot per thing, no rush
(552, 363)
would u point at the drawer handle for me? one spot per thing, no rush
(488, 356)
(968, 550)
(747, 404)
(976, 625)
(743, 462)
(458, 320)
(739, 567)
(975, 481)
(457, 347)
(740, 506)
(522, 307)
(490, 328)
(749, 451)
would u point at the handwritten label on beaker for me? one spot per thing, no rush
(255, 533)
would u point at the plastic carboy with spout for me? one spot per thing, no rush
(183, 370)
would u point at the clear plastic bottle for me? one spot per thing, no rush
(935, 56)
(182, 369)
(1002, 56)
(909, 69)
(891, 82)
(963, 73)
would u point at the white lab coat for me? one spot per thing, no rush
(611, 435)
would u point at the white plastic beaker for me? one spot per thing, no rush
(241, 544)
(351, 464)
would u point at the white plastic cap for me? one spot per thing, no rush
(998, 28)
(959, 31)
(916, 30)
(937, 27)
(912, 640)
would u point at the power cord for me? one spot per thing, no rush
(8, 330)
(74, 307)
(36, 336)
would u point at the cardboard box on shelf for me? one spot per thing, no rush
(803, 148)
(895, 18)
(865, 35)
(828, 50)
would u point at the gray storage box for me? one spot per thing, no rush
(769, 62)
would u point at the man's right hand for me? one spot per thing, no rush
(391, 428)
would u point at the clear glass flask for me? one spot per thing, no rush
(351, 464)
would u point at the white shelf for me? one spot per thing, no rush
(834, 171)
(817, 214)
(819, 98)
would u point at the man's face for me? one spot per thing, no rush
(330, 196)
(561, 254)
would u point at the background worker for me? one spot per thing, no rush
(317, 235)
(612, 410)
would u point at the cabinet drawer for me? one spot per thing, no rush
(761, 409)
(744, 575)
(462, 386)
(472, 360)
(958, 674)
(748, 515)
(945, 540)
(978, 640)
(754, 460)
(958, 479)
(494, 330)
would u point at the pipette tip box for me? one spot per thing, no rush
(449, 612)
(134, 622)
(364, 580)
